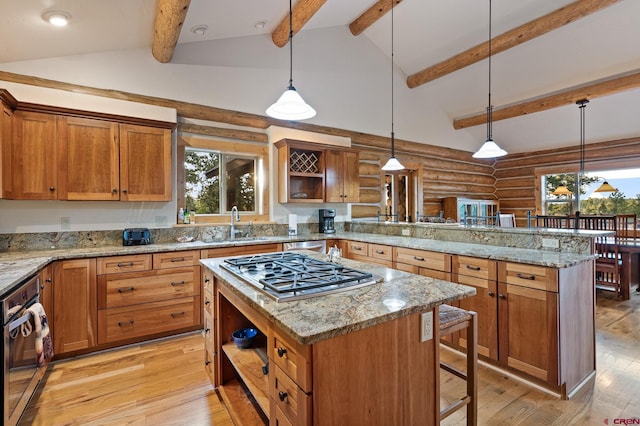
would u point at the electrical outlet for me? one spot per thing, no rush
(550, 243)
(65, 222)
(406, 232)
(426, 326)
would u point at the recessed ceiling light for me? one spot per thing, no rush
(57, 17)
(199, 30)
(260, 25)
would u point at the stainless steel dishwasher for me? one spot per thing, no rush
(319, 246)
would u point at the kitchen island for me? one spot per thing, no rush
(355, 357)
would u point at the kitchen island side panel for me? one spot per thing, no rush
(378, 375)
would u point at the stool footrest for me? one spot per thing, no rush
(451, 369)
(454, 407)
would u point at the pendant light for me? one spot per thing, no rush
(489, 148)
(393, 164)
(562, 190)
(291, 106)
(606, 187)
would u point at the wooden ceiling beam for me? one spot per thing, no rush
(530, 30)
(301, 13)
(170, 14)
(596, 89)
(371, 15)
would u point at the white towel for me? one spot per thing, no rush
(44, 346)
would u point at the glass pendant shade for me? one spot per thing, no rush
(489, 149)
(392, 165)
(606, 187)
(291, 106)
(562, 190)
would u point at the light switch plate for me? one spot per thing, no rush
(550, 243)
(406, 232)
(426, 326)
(65, 222)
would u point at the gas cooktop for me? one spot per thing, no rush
(289, 276)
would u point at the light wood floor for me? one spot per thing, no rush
(164, 383)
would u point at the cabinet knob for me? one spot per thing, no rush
(206, 280)
(282, 395)
(502, 296)
(491, 294)
(207, 302)
(114, 190)
(52, 188)
(207, 330)
(207, 362)
(124, 190)
(281, 352)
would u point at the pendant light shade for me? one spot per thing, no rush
(393, 164)
(291, 106)
(606, 187)
(489, 149)
(562, 190)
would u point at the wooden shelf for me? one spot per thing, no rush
(238, 404)
(303, 174)
(248, 363)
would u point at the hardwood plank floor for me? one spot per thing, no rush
(164, 383)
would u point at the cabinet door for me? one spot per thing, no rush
(351, 177)
(74, 305)
(485, 304)
(46, 294)
(145, 163)
(88, 159)
(343, 175)
(528, 321)
(6, 126)
(34, 150)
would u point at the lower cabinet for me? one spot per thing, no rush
(423, 262)
(369, 252)
(74, 306)
(144, 300)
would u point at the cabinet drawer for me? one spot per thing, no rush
(178, 259)
(240, 250)
(135, 288)
(355, 248)
(207, 280)
(474, 267)
(207, 300)
(423, 259)
(532, 276)
(293, 359)
(289, 398)
(137, 321)
(380, 252)
(119, 264)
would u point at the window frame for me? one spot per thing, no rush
(239, 148)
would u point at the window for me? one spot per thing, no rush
(217, 181)
(215, 175)
(625, 201)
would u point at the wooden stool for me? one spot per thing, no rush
(454, 319)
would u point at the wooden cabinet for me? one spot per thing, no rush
(46, 294)
(7, 105)
(342, 176)
(301, 167)
(482, 275)
(369, 252)
(240, 250)
(145, 302)
(422, 262)
(210, 354)
(459, 208)
(74, 305)
(75, 158)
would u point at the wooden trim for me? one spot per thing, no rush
(523, 33)
(8, 99)
(170, 14)
(244, 135)
(223, 146)
(301, 13)
(591, 90)
(371, 16)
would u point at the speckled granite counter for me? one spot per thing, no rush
(15, 266)
(312, 320)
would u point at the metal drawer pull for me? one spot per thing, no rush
(473, 268)
(419, 259)
(282, 395)
(177, 314)
(122, 264)
(178, 259)
(207, 302)
(379, 252)
(491, 294)
(175, 283)
(125, 323)
(502, 296)
(206, 279)
(206, 330)
(281, 352)
(357, 248)
(207, 362)
(125, 289)
(525, 277)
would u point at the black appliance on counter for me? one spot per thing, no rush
(136, 237)
(326, 219)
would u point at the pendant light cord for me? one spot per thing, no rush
(290, 47)
(393, 154)
(489, 106)
(581, 105)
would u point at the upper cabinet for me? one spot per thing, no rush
(316, 173)
(7, 105)
(53, 156)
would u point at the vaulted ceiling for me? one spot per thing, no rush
(546, 53)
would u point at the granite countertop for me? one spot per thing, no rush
(16, 266)
(319, 318)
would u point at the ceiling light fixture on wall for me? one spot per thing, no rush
(392, 164)
(489, 148)
(57, 17)
(291, 106)
(199, 30)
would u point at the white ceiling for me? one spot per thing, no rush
(425, 32)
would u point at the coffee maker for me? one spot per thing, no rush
(326, 221)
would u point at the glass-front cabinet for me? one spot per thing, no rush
(470, 211)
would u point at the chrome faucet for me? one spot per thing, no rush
(234, 218)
